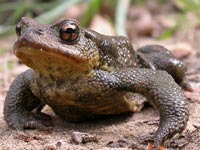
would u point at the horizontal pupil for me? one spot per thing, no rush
(70, 30)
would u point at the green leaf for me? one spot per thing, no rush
(6, 30)
(190, 6)
(167, 34)
(19, 11)
(1, 51)
(92, 10)
(10, 64)
(57, 11)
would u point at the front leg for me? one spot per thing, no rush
(160, 90)
(20, 102)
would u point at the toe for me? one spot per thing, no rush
(151, 147)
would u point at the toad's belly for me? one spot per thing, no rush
(87, 108)
(73, 103)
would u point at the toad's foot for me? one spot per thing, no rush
(22, 109)
(151, 147)
(30, 121)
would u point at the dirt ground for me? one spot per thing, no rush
(122, 132)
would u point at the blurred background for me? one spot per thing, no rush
(160, 19)
(174, 24)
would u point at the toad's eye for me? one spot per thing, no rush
(69, 32)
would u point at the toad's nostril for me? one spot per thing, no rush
(18, 29)
(40, 31)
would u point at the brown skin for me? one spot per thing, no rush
(157, 57)
(83, 75)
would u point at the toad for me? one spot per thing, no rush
(82, 75)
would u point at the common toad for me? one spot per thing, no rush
(82, 74)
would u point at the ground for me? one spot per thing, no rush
(115, 132)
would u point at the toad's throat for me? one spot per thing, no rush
(48, 62)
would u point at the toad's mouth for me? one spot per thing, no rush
(27, 47)
(45, 59)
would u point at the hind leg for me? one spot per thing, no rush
(157, 57)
